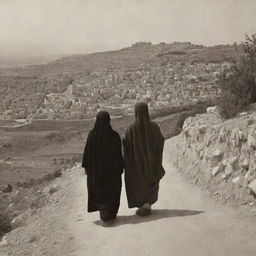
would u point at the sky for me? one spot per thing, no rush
(49, 27)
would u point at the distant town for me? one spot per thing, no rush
(159, 81)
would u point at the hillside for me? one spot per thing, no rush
(129, 58)
(76, 87)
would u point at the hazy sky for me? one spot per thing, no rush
(42, 27)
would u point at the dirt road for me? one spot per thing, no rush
(183, 222)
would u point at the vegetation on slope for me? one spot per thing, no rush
(238, 84)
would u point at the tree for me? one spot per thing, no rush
(238, 83)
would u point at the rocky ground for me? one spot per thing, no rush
(184, 221)
(38, 213)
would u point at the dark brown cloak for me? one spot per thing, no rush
(104, 164)
(143, 149)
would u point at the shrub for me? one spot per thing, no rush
(238, 83)
(5, 224)
(59, 137)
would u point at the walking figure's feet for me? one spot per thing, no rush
(145, 210)
(108, 223)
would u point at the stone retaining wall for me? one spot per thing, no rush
(220, 156)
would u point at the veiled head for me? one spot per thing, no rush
(141, 112)
(102, 119)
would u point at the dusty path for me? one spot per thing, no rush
(184, 222)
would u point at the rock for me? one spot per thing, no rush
(217, 153)
(11, 205)
(233, 160)
(250, 121)
(225, 162)
(213, 109)
(241, 135)
(229, 170)
(215, 170)
(251, 203)
(243, 113)
(252, 186)
(224, 176)
(235, 180)
(19, 195)
(251, 141)
(227, 197)
(4, 242)
(18, 221)
(53, 189)
(247, 151)
(247, 175)
(245, 164)
(202, 128)
(7, 189)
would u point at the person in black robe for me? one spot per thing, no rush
(103, 163)
(143, 149)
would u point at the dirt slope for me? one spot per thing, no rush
(184, 222)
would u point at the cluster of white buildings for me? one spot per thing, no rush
(117, 91)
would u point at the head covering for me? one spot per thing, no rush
(141, 112)
(102, 128)
(102, 120)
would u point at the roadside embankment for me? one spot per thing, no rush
(220, 156)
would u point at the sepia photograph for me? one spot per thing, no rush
(127, 127)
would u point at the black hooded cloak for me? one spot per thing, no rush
(104, 164)
(143, 149)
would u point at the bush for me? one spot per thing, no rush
(5, 224)
(59, 137)
(238, 83)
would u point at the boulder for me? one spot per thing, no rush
(19, 198)
(247, 175)
(229, 170)
(53, 189)
(233, 160)
(246, 151)
(217, 153)
(224, 176)
(243, 113)
(225, 162)
(242, 135)
(235, 180)
(213, 109)
(4, 242)
(251, 141)
(230, 161)
(11, 206)
(215, 170)
(18, 221)
(245, 164)
(222, 135)
(252, 186)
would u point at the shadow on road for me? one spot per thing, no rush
(155, 215)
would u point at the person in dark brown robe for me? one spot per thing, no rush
(143, 149)
(103, 163)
